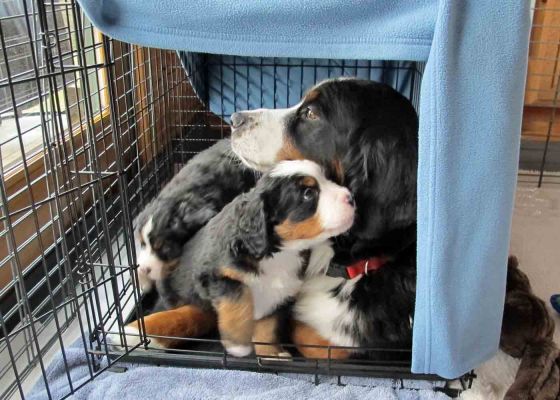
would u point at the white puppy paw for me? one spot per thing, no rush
(133, 338)
(131, 335)
(239, 350)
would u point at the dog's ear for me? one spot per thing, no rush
(380, 171)
(178, 219)
(252, 235)
(193, 217)
(167, 220)
(516, 279)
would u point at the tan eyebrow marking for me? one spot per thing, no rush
(309, 181)
(312, 95)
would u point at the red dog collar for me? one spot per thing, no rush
(362, 267)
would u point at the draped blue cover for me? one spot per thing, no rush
(470, 121)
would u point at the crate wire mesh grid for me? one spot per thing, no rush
(90, 130)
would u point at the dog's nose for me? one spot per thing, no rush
(238, 119)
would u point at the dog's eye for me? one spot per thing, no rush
(310, 114)
(309, 194)
(142, 244)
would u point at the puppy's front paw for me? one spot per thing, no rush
(238, 350)
(146, 284)
(131, 337)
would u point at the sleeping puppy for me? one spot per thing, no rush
(252, 257)
(194, 195)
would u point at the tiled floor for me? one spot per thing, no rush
(535, 240)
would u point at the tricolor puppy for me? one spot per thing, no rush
(252, 258)
(183, 206)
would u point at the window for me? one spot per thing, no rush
(45, 104)
(53, 91)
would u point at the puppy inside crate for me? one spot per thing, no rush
(252, 258)
(370, 121)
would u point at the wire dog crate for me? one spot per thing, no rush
(90, 130)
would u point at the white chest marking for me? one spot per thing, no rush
(316, 296)
(278, 281)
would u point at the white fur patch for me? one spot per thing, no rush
(132, 338)
(278, 280)
(318, 308)
(146, 284)
(150, 267)
(279, 277)
(298, 167)
(320, 259)
(239, 350)
(258, 142)
(493, 378)
(334, 209)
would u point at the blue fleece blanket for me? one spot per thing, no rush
(166, 383)
(470, 119)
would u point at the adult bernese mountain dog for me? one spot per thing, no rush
(364, 135)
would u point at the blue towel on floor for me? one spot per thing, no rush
(470, 122)
(152, 382)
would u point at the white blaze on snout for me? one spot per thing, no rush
(261, 138)
(150, 266)
(334, 208)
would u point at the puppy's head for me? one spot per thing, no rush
(363, 134)
(159, 236)
(294, 206)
